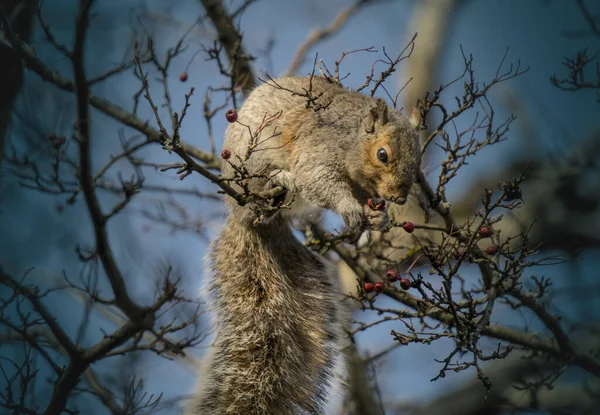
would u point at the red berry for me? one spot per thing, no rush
(404, 283)
(376, 204)
(183, 76)
(391, 275)
(368, 287)
(459, 253)
(231, 115)
(409, 227)
(492, 250)
(485, 232)
(226, 153)
(379, 286)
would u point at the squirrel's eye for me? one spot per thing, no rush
(382, 155)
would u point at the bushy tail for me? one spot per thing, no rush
(279, 326)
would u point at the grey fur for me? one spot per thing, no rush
(280, 318)
(279, 324)
(324, 151)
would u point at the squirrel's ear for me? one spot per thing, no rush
(377, 115)
(415, 117)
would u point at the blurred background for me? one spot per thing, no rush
(45, 229)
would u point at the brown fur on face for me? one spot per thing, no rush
(391, 180)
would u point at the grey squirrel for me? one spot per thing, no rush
(279, 347)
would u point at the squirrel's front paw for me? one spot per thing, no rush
(375, 219)
(281, 178)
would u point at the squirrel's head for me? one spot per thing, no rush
(390, 153)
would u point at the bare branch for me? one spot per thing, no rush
(231, 39)
(99, 103)
(318, 35)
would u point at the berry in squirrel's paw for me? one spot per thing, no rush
(391, 275)
(226, 154)
(376, 204)
(485, 232)
(408, 227)
(231, 115)
(368, 287)
(404, 283)
(183, 76)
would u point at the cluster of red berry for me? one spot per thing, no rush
(379, 204)
(391, 276)
(231, 116)
(484, 232)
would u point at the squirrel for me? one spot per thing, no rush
(279, 346)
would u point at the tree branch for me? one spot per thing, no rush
(61, 336)
(231, 39)
(117, 282)
(105, 106)
(318, 35)
(528, 340)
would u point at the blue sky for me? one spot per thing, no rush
(40, 236)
